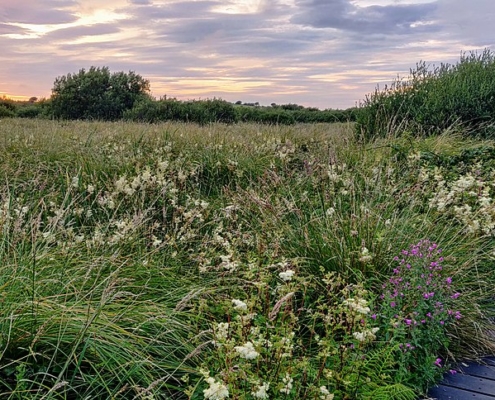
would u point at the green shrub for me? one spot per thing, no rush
(29, 112)
(433, 99)
(6, 112)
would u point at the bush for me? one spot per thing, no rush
(5, 112)
(29, 112)
(97, 94)
(433, 99)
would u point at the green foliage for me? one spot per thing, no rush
(433, 99)
(96, 94)
(6, 112)
(31, 111)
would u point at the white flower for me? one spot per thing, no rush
(75, 182)
(216, 391)
(325, 394)
(239, 304)
(366, 335)
(287, 275)
(365, 255)
(330, 211)
(90, 189)
(261, 391)
(222, 331)
(288, 384)
(247, 351)
(156, 242)
(358, 305)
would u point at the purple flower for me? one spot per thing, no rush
(438, 362)
(408, 321)
(448, 280)
(452, 371)
(455, 296)
(392, 304)
(373, 316)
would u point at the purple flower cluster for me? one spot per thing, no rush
(419, 293)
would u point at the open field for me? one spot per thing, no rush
(286, 262)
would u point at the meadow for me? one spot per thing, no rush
(246, 261)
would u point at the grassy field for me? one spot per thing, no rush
(245, 262)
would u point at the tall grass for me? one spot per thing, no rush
(137, 261)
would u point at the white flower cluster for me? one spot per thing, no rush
(286, 276)
(467, 199)
(222, 331)
(216, 391)
(325, 394)
(367, 335)
(239, 305)
(247, 351)
(358, 305)
(365, 255)
(287, 384)
(261, 391)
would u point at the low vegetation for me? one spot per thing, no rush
(240, 261)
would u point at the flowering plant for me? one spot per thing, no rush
(417, 304)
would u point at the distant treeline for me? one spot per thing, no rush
(197, 111)
(98, 94)
(217, 110)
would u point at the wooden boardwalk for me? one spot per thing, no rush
(472, 381)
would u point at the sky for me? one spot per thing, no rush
(318, 53)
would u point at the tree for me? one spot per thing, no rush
(97, 94)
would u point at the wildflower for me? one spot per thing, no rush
(288, 384)
(438, 362)
(358, 305)
(262, 391)
(90, 189)
(287, 275)
(330, 211)
(325, 394)
(247, 351)
(366, 335)
(239, 304)
(216, 390)
(75, 182)
(156, 242)
(222, 331)
(365, 255)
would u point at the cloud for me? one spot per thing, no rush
(344, 15)
(36, 12)
(324, 53)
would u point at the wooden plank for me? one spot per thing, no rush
(482, 371)
(442, 392)
(472, 383)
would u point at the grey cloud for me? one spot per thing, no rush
(6, 29)
(79, 31)
(140, 2)
(343, 15)
(183, 9)
(35, 12)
